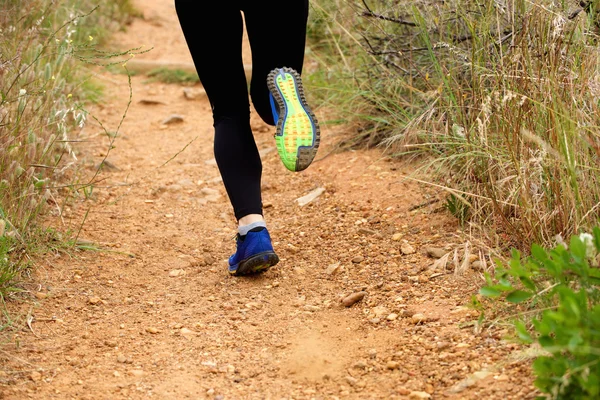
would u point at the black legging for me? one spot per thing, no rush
(213, 31)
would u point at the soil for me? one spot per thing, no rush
(151, 312)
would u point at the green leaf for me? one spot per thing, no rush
(489, 292)
(518, 296)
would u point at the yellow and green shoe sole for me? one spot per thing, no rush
(297, 136)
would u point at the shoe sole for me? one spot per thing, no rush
(256, 264)
(298, 135)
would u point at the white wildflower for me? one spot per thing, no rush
(590, 247)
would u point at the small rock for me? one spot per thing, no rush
(392, 365)
(121, 359)
(186, 331)
(435, 252)
(419, 396)
(333, 269)
(397, 237)
(358, 259)
(351, 381)
(176, 272)
(365, 231)
(116, 374)
(136, 372)
(477, 266)
(379, 311)
(41, 295)
(152, 330)
(407, 249)
(418, 318)
(392, 317)
(172, 119)
(35, 376)
(94, 300)
(193, 94)
(209, 191)
(352, 299)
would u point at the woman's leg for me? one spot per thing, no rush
(213, 33)
(274, 43)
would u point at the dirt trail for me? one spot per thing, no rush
(155, 314)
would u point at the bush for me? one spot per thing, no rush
(561, 289)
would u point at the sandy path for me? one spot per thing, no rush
(157, 316)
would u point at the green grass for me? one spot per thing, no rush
(176, 76)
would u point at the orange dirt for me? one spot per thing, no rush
(154, 314)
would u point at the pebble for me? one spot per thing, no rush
(172, 119)
(152, 330)
(333, 269)
(176, 272)
(417, 318)
(407, 249)
(35, 376)
(392, 317)
(379, 311)
(136, 372)
(419, 396)
(392, 365)
(41, 295)
(94, 300)
(397, 237)
(358, 259)
(435, 252)
(352, 299)
(121, 358)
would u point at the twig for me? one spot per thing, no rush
(424, 204)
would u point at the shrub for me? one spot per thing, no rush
(561, 289)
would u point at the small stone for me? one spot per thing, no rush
(435, 252)
(35, 376)
(417, 318)
(176, 272)
(358, 259)
(392, 365)
(121, 359)
(477, 266)
(186, 331)
(333, 269)
(172, 119)
(351, 381)
(407, 249)
(419, 395)
(396, 237)
(152, 330)
(94, 300)
(392, 317)
(352, 299)
(379, 311)
(136, 372)
(193, 94)
(365, 231)
(41, 295)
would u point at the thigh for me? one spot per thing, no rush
(277, 36)
(213, 33)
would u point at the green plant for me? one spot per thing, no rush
(168, 75)
(557, 295)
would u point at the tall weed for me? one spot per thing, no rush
(498, 100)
(44, 87)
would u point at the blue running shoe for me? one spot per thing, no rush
(298, 134)
(254, 254)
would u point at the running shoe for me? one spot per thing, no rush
(297, 136)
(254, 254)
